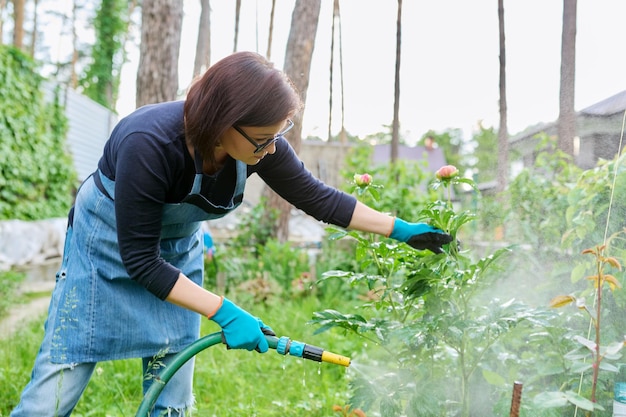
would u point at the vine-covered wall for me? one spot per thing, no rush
(37, 177)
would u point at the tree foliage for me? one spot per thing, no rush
(451, 141)
(486, 160)
(102, 77)
(36, 171)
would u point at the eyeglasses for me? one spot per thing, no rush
(260, 146)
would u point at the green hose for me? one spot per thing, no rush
(283, 346)
(179, 360)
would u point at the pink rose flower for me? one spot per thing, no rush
(362, 180)
(447, 172)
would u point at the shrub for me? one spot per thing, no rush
(36, 172)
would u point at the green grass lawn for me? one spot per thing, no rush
(227, 382)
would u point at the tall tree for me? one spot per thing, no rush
(3, 5)
(237, 16)
(270, 35)
(567, 114)
(336, 18)
(298, 56)
(485, 160)
(102, 76)
(33, 37)
(18, 21)
(395, 127)
(157, 75)
(503, 131)
(75, 53)
(203, 45)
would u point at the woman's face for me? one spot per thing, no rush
(240, 142)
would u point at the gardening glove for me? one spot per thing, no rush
(420, 235)
(240, 329)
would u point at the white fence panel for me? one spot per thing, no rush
(90, 125)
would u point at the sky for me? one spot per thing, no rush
(449, 63)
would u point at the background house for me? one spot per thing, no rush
(599, 129)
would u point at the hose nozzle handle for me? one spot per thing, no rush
(285, 346)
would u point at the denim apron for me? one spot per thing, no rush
(102, 314)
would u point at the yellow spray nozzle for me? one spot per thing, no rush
(335, 358)
(285, 346)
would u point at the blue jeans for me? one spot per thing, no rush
(54, 389)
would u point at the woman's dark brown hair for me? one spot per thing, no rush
(242, 89)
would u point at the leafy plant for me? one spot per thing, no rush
(256, 264)
(595, 206)
(36, 171)
(595, 354)
(102, 77)
(405, 183)
(428, 315)
(538, 198)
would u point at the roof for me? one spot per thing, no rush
(607, 107)
(531, 131)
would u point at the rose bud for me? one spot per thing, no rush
(447, 172)
(362, 180)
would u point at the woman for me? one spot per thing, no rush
(130, 284)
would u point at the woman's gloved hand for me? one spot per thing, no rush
(420, 235)
(241, 330)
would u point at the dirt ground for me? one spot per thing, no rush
(23, 313)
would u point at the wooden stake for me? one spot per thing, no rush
(516, 400)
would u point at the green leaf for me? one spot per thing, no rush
(328, 319)
(605, 366)
(613, 348)
(550, 399)
(589, 344)
(337, 234)
(494, 378)
(580, 367)
(374, 192)
(581, 402)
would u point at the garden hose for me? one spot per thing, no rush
(283, 346)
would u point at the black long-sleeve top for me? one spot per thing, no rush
(148, 159)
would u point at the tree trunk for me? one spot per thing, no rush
(567, 114)
(132, 5)
(18, 20)
(268, 54)
(503, 135)
(331, 71)
(395, 130)
(203, 45)
(342, 132)
(74, 59)
(237, 15)
(298, 58)
(157, 75)
(3, 5)
(33, 38)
